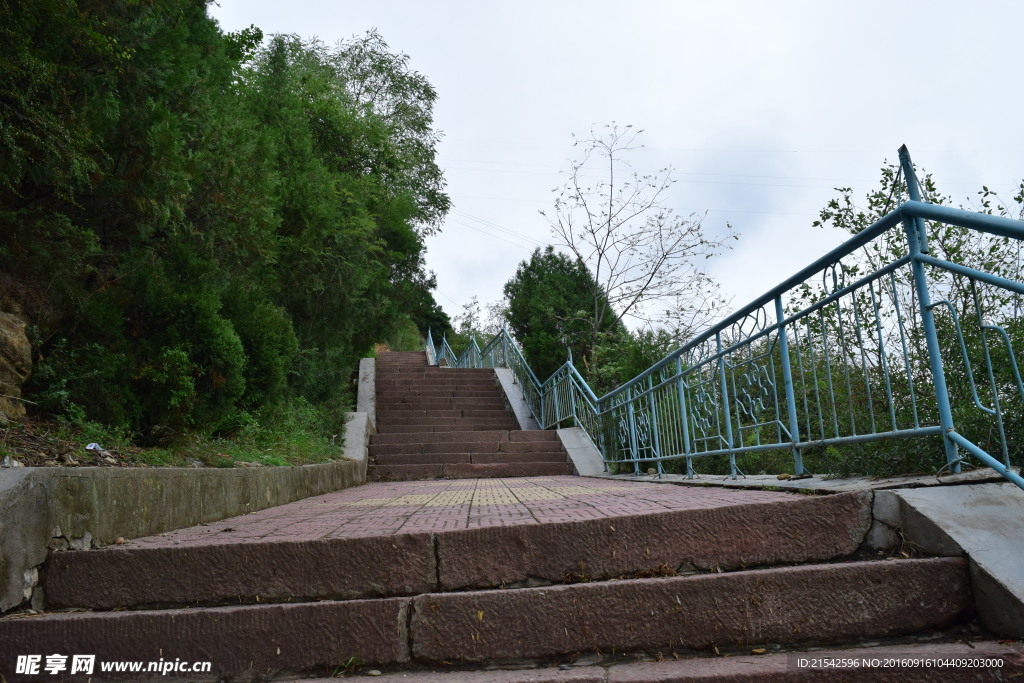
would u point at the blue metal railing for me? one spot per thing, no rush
(866, 355)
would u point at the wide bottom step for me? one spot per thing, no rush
(929, 661)
(834, 603)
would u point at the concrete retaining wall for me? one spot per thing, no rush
(85, 507)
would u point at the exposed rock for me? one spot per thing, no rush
(83, 543)
(15, 365)
(31, 578)
(59, 544)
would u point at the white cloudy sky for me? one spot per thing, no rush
(762, 108)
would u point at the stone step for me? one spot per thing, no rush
(419, 459)
(468, 447)
(468, 471)
(821, 603)
(495, 436)
(409, 414)
(238, 560)
(427, 396)
(433, 374)
(448, 403)
(790, 606)
(874, 663)
(460, 393)
(433, 371)
(476, 458)
(496, 415)
(440, 382)
(424, 390)
(447, 424)
(241, 643)
(415, 388)
(401, 397)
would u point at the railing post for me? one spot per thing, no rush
(504, 348)
(572, 392)
(916, 237)
(655, 435)
(430, 350)
(601, 419)
(633, 449)
(787, 374)
(554, 397)
(725, 408)
(681, 385)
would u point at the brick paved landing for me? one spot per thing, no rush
(407, 538)
(445, 505)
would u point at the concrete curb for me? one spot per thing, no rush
(86, 507)
(366, 396)
(822, 484)
(983, 522)
(516, 400)
(93, 506)
(582, 452)
(358, 429)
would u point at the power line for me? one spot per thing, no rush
(446, 296)
(489, 234)
(499, 227)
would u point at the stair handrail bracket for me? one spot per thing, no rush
(881, 338)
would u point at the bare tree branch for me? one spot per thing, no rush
(643, 256)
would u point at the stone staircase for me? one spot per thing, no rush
(543, 578)
(447, 423)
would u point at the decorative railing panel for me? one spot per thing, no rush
(878, 339)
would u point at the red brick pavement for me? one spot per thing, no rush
(379, 509)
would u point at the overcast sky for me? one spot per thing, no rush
(762, 108)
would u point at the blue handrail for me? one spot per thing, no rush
(856, 358)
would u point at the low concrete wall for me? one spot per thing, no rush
(366, 396)
(984, 522)
(83, 507)
(516, 400)
(584, 455)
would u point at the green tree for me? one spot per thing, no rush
(200, 226)
(550, 311)
(967, 307)
(382, 85)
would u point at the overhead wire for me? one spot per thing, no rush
(492, 224)
(489, 234)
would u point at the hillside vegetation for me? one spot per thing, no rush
(204, 230)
